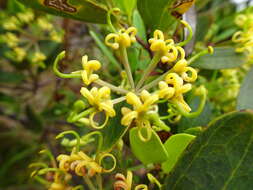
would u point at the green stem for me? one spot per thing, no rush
(112, 87)
(203, 95)
(73, 133)
(154, 82)
(154, 117)
(60, 74)
(150, 68)
(89, 183)
(109, 20)
(82, 114)
(99, 182)
(198, 55)
(100, 139)
(189, 37)
(126, 65)
(118, 100)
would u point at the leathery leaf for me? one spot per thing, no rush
(220, 158)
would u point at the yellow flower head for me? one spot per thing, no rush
(166, 48)
(141, 105)
(176, 82)
(125, 183)
(244, 37)
(80, 163)
(88, 68)
(182, 69)
(100, 99)
(124, 38)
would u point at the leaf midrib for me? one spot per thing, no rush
(238, 164)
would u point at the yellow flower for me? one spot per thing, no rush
(166, 48)
(38, 57)
(88, 68)
(11, 39)
(100, 99)
(124, 38)
(141, 105)
(44, 24)
(20, 53)
(80, 163)
(182, 69)
(244, 37)
(11, 24)
(125, 183)
(173, 80)
(26, 17)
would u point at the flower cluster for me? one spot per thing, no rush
(22, 33)
(244, 37)
(170, 86)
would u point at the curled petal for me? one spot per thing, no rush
(141, 187)
(88, 95)
(108, 108)
(189, 77)
(94, 124)
(111, 41)
(128, 118)
(165, 91)
(133, 99)
(180, 66)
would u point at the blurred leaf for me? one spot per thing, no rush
(13, 6)
(113, 131)
(139, 24)
(220, 158)
(175, 146)
(157, 14)
(245, 98)
(105, 49)
(84, 10)
(11, 77)
(148, 152)
(202, 120)
(35, 122)
(223, 58)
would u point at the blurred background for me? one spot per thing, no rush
(34, 103)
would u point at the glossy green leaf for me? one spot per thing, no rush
(245, 98)
(223, 58)
(84, 10)
(218, 159)
(175, 146)
(157, 14)
(114, 130)
(148, 152)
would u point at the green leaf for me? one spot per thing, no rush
(175, 146)
(220, 158)
(223, 58)
(139, 24)
(245, 98)
(129, 7)
(84, 10)
(157, 14)
(10, 77)
(114, 131)
(148, 152)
